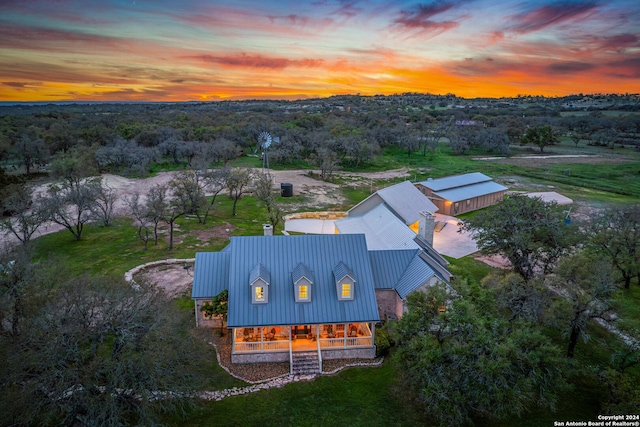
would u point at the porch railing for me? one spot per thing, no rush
(262, 346)
(349, 342)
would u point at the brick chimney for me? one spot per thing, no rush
(427, 226)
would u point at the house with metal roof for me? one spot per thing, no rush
(391, 217)
(403, 200)
(382, 229)
(308, 293)
(459, 194)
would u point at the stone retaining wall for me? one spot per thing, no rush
(316, 215)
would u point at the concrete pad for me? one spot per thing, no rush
(448, 241)
(310, 226)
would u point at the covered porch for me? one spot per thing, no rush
(299, 338)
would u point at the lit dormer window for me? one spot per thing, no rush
(346, 290)
(259, 293)
(345, 281)
(302, 279)
(259, 279)
(303, 292)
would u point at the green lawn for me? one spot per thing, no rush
(115, 249)
(626, 305)
(355, 397)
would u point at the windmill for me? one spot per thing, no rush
(264, 142)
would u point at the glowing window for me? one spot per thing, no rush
(259, 293)
(346, 290)
(304, 292)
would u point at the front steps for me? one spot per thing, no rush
(305, 363)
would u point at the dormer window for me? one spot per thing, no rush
(303, 292)
(302, 279)
(259, 280)
(259, 296)
(346, 290)
(345, 281)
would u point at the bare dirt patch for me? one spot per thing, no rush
(323, 194)
(173, 279)
(219, 231)
(495, 261)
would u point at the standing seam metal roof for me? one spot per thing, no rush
(341, 270)
(450, 182)
(388, 266)
(402, 270)
(406, 201)
(280, 255)
(382, 229)
(259, 272)
(301, 271)
(416, 274)
(470, 191)
(210, 274)
(403, 199)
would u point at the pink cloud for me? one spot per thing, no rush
(419, 21)
(259, 61)
(347, 9)
(551, 14)
(38, 38)
(617, 43)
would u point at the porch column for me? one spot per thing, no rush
(233, 340)
(345, 334)
(372, 327)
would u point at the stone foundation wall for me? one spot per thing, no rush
(355, 353)
(260, 357)
(202, 321)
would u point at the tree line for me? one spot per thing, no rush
(341, 131)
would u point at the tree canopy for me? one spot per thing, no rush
(465, 362)
(94, 352)
(529, 232)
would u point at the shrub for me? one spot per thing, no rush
(383, 342)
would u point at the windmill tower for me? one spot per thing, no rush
(264, 141)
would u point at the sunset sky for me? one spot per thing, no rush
(197, 50)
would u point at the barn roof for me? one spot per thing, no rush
(449, 182)
(463, 187)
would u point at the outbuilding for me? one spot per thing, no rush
(455, 195)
